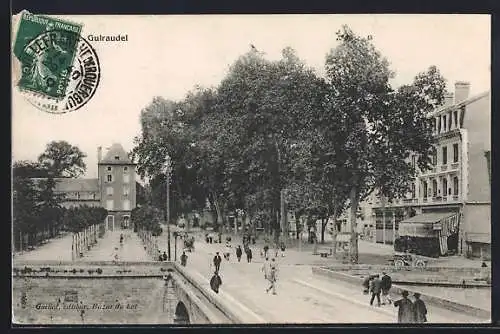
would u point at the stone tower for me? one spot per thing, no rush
(116, 174)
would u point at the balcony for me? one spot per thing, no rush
(455, 197)
(424, 199)
(454, 165)
(437, 199)
(444, 167)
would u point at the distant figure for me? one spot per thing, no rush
(121, 238)
(239, 252)
(386, 287)
(405, 312)
(282, 247)
(272, 277)
(375, 288)
(184, 258)
(164, 256)
(217, 260)
(266, 267)
(249, 254)
(215, 282)
(227, 252)
(420, 311)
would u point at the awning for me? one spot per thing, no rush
(425, 225)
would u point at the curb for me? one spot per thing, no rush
(396, 290)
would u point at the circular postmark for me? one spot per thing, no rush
(60, 71)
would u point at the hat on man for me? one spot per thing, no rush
(417, 295)
(404, 293)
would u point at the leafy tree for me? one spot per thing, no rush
(63, 159)
(383, 126)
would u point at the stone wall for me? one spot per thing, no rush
(103, 301)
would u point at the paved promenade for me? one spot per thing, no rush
(55, 249)
(59, 249)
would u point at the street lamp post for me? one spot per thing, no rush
(167, 172)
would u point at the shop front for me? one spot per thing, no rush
(429, 234)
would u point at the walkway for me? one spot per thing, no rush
(131, 250)
(302, 297)
(55, 249)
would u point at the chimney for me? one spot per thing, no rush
(462, 90)
(448, 99)
(99, 154)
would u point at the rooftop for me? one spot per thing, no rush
(74, 185)
(116, 155)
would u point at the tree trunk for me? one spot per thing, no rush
(354, 236)
(323, 227)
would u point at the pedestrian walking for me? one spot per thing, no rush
(239, 252)
(227, 252)
(217, 260)
(419, 309)
(266, 249)
(266, 267)
(405, 312)
(184, 258)
(366, 284)
(375, 288)
(165, 257)
(215, 282)
(249, 254)
(272, 277)
(386, 287)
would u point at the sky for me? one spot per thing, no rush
(168, 55)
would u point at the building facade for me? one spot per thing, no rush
(114, 189)
(448, 208)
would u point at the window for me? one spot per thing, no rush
(109, 168)
(444, 122)
(455, 186)
(413, 190)
(434, 156)
(438, 125)
(78, 195)
(434, 188)
(444, 186)
(93, 196)
(117, 157)
(424, 185)
(445, 155)
(449, 120)
(126, 178)
(109, 178)
(413, 161)
(125, 170)
(109, 191)
(109, 204)
(126, 205)
(125, 190)
(455, 152)
(455, 118)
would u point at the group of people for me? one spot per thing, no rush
(377, 285)
(265, 250)
(408, 312)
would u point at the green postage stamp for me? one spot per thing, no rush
(46, 48)
(59, 70)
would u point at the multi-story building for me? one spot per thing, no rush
(114, 188)
(448, 208)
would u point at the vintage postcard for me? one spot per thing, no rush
(251, 169)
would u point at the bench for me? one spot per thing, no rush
(325, 252)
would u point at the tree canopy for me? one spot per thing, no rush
(274, 127)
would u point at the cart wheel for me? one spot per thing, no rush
(399, 264)
(420, 264)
